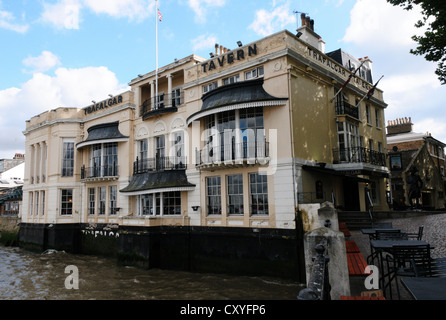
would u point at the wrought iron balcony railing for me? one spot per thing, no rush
(359, 154)
(344, 108)
(162, 104)
(256, 150)
(106, 171)
(159, 164)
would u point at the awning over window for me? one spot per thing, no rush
(163, 181)
(103, 133)
(239, 95)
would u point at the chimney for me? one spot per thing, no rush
(400, 125)
(302, 17)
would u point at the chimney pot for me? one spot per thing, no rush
(302, 17)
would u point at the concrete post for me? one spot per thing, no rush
(337, 267)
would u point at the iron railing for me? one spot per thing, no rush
(99, 171)
(344, 108)
(318, 287)
(159, 164)
(359, 154)
(212, 154)
(162, 103)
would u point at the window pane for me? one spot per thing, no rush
(235, 194)
(66, 205)
(213, 196)
(67, 158)
(259, 193)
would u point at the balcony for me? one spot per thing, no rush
(233, 155)
(359, 155)
(97, 173)
(343, 108)
(164, 103)
(159, 164)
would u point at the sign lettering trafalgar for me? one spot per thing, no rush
(230, 57)
(103, 104)
(329, 64)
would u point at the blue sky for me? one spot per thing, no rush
(66, 53)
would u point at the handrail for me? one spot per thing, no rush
(319, 284)
(159, 164)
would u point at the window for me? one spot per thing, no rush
(43, 202)
(178, 148)
(91, 200)
(160, 147)
(371, 145)
(36, 197)
(112, 200)
(235, 194)
(159, 101)
(67, 157)
(368, 115)
(176, 97)
(377, 118)
(146, 204)
(102, 196)
(142, 160)
(258, 190)
(66, 202)
(210, 87)
(110, 159)
(96, 159)
(172, 203)
(232, 79)
(254, 73)
(31, 203)
(213, 192)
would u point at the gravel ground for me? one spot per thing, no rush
(434, 233)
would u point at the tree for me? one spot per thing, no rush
(433, 43)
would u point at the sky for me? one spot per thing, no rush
(66, 53)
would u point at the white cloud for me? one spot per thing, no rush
(377, 22)
(269, 21)
(42, 63)
(63, 15)
(200, 7)
(7, 22)
(204, 41)
(132, 9)
(67, 88)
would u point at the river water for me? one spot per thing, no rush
(43, 276)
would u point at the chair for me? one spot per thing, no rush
(395, 234)
(418, 235)
(407, 261)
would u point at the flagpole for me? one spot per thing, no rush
(372, 88)
(156, 46)
(348, 80)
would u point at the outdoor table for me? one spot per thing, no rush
(426, 288)
(381, 246)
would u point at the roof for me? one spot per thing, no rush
(104, 132)
(238, 95)
(162, 181)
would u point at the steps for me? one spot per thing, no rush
(355, 220)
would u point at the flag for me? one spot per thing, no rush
(372, 90)
(160, 17)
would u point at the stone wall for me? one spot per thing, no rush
(9, 230)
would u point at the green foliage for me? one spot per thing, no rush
(433, 43)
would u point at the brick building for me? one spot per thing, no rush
(408, 149)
